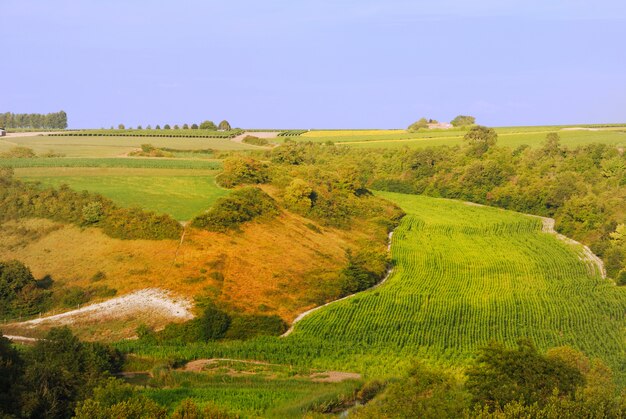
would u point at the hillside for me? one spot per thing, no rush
(282, 266)
(465, 275)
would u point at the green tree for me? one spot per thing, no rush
(501, 375)
(93, 212)
(167, 126)
(157, 127)
(121, 126)
(299, 196)
(194, 126)
(224, 126)
(463, 121)
(480, 139)
(11, 370)
(208, 125)
(185, 126)
(552, 144)
(420, 124)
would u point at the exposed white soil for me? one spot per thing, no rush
(20, 338)
(149, 301)
(306, 313)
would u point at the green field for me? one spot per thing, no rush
(507, 136)
(180, 193)
(115, 146)
(250, 391)
(135, 163)
(465, 275)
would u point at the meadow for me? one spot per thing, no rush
(182, 194)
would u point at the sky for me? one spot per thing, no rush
(314, 63)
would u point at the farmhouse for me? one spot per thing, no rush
(440, 125)
(2, 132)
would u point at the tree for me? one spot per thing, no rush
(176, 126)
(157, 127)
(420, 124)
(299, 196)
(139, 127)
(121, 126)
(148, 127)
(224, 126)
(185, 126)
(551, 146)
(480, 138)
(208, 125)
(213, 323)
(11, 370)
(194, 126)
(501, 375)
(463, 121)
(167, 126)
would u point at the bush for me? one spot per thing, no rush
(241, 206)
(250, 139)
(243, 170)
(248, 326)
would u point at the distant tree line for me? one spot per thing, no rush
(205, 125)
(55, 120)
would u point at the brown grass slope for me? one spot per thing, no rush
(282, 266)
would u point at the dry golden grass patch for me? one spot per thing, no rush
(283, 266)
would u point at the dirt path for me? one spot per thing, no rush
(30, 134)
(150, 300)
(587, 255)
(321, 377)
(268, 135)
(306, 313)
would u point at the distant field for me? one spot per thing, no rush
(183, 194)
(115, 146)
(507, 136)
(136, 163)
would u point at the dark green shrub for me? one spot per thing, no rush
(248, 326)
(241, 206)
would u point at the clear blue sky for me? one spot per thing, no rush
(315, 63)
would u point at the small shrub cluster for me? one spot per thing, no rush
(215, 324)
(243, 170)
(230, 212)
(20, 293)
(250, 139)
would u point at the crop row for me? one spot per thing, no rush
(455, 288)
(292, 133)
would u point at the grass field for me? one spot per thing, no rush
(507, 136)
(114, 146)
(248, 390)
(182, 194)
(122, 162)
